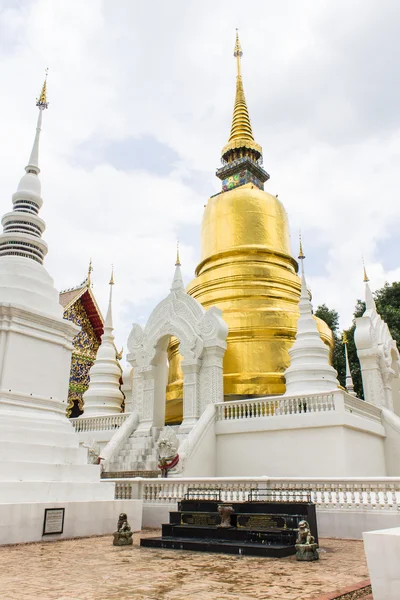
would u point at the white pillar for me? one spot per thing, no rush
(191, 394)
(212, 376)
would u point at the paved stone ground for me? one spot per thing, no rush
(94, 569)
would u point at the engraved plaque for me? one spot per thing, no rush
(199, 519)
(53, 520)
(256, 521)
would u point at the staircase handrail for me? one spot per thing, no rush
(194, 437)
(119, 437)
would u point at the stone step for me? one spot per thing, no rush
(39, 436)
(40, 453)
(129, 474)
(55, 491)
(27, 471)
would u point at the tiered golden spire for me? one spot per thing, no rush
(178, 260)
(112, 276)
(41, 102)
(301, 253)
(366, 279)
(241, 136)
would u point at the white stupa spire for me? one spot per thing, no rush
(369, 299)
(108, 325)
(309, 371)
(177, 282)
(23, 228)
(104, 395)
(349, 379)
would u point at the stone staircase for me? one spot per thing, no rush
(138, 455)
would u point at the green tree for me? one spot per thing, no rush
(331, 318)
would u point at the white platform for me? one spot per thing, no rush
(305, 445)
(383, 557)
(24, 522)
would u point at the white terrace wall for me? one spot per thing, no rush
(331, 435)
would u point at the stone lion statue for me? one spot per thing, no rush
(304, 534)
(123, 535)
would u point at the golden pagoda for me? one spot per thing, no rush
(246, 269)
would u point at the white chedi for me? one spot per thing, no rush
(310, 370)
(104, 395)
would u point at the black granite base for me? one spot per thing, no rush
(258, 528)
(223, 546)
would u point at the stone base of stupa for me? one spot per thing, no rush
(43, 467)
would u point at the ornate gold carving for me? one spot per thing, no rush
(85, 345)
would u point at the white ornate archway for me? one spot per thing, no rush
(378, 354)
(202, 335)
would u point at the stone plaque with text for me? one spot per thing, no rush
(53, 520)
(255, 521)
(200, 519)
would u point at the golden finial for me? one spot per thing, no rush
(178, 262)
(112, 275)
(41, 102)
(345, 337)
(365, 273)
(89, 275)
(237, 52)
(301, 253)
(241, 135)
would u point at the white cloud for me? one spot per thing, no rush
(323, 91)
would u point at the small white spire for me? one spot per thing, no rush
(177, 282)
(22, 236)
(309, 369)
(109, 322)
(369, 299)
(42, 104)
(349, 379)
(104, 394)
(33, 164)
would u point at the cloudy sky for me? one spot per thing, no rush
(141, 97)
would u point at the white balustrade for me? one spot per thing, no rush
(100, 423)
(295, 405)
(362, 408)
(374, 494)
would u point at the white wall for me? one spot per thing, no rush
(391, 423)
(36, 366)
(309, 445)
(24, 522)
(396, 395)
(383, 557)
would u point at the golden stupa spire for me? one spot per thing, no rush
(89, 275)
(41, 102)
(344, 338)
(112, 275)
(241, 136)
(301, 253)
(366, 279)
(178, 260)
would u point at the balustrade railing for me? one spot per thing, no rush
(100, 423)
(294, 405)
(362, 408)
(273, 407)
(327, 493)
